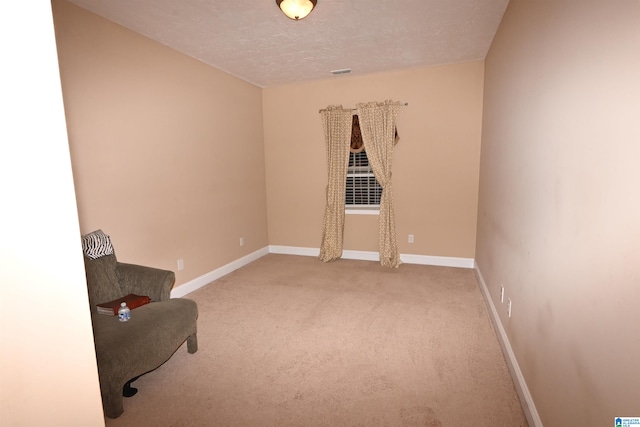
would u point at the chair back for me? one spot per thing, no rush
(102, 280)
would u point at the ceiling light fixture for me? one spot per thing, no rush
(296, 9)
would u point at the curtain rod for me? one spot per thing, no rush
(402, 104)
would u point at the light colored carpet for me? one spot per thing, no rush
(291, 341)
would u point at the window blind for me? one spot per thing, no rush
(362, 188)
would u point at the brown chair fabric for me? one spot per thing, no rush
(125, 350)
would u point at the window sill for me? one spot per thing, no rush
(362, 211)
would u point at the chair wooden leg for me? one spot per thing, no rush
(127, 390)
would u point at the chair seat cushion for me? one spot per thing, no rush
(152, 334)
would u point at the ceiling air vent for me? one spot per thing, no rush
(343, 71)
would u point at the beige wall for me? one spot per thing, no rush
(48, 373)
(435, 167)
(558, 221)
(169, 159)
(167, 152)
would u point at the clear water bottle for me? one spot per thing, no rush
(123, 312)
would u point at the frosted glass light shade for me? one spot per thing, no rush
(296, 9)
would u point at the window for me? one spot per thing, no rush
(362, 190)
(362, 187)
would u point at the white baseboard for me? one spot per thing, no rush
(529, 406)
(375, 256)
(294, 250)
(207, 278)
(441, 261)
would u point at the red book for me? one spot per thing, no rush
(133, 301)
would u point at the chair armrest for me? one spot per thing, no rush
(142, 280)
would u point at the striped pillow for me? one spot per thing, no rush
(96, 244)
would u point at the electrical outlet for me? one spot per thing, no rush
(501, 293)
(242, 241)
(509, 312)
(410, 238)
(180, 264)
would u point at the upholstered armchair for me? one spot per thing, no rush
(126, 350)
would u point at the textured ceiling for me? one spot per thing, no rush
(255, 41)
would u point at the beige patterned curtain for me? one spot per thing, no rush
(377, 125)
(337, 133)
